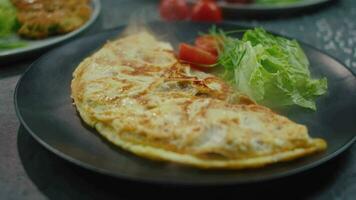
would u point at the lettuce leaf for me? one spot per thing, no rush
(8, 21)
(272, 70)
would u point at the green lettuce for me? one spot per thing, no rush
(271, 70)
(8, 21)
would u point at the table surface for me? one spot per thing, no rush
(28, 171)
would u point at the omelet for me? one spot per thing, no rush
(138, 95)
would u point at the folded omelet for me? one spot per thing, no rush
(136, 94)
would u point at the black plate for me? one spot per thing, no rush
(258, 10)
(44, 106)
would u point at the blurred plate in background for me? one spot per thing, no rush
(34, 46)
(259, 10)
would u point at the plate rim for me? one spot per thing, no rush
(60, 38)
(300, 4)
(160, 181)
(259, 7)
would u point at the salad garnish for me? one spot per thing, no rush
(271, 70)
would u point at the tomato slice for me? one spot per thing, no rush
(207, 43)
(206, 10)
(173, 10)
(196, 56)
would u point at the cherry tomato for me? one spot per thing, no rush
(195, 56)
(173, 10)
(206, 10)
(207, 43)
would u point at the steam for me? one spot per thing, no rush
(137, 23)
(141, 21)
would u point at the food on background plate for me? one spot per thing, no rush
(272, 70)
(206, 10)
(138, 95)
(39, 19)
(203, 10)
(8, 21)
(43, 18)
(8, 25)
(173, 10)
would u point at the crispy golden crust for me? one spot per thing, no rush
(43, 18)
(206, 163)
(138, 96)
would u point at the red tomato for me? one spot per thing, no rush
(172, 10)
(206, 10)
(207, 43)
(196, 56)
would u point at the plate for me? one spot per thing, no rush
(258, 10)
(44, 107)
(38, 45)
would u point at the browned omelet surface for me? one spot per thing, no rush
(137, 95)
(43, 18)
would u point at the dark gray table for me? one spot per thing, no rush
(28, 171)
